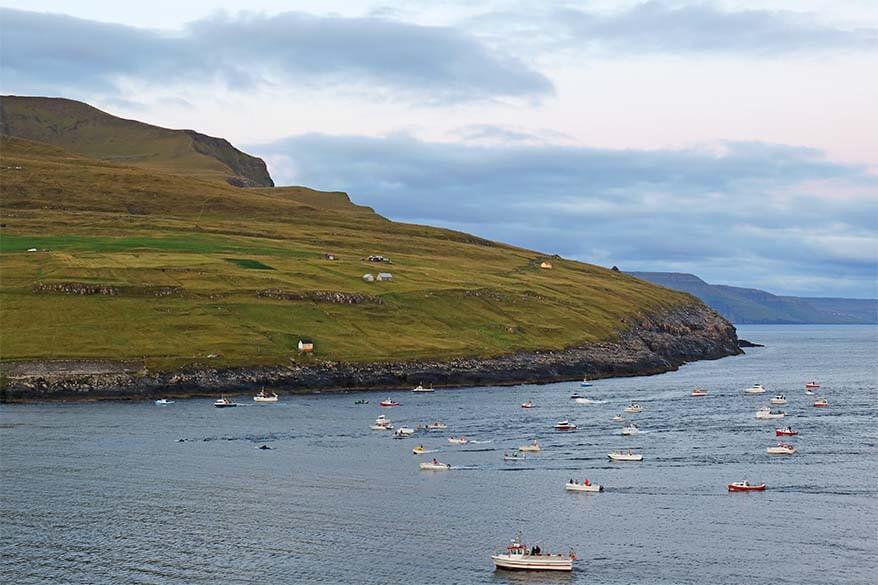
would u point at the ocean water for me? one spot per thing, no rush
(129, 492)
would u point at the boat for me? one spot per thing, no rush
(630, 429)
(822, 402)
(565, 425)
(745, 486)
(528, 404)
(585, 486)
(787, 432)
(403, 433)
(436, 426)
(584, 400)
(163, 401)
(766, 413)
(625, 456)
(812, 385)
(435, 466)
(419, 450)
(515, 456)
(264, 396)
(810, 392)
(698, 392)
(618, 418)
(382, 423)
(420, 388)
(575, 395)
(388, 402)
(224, 403)
(755, 389)
(461, 440)
(781, 449)
(361, 402)
(586, 383)
(779, 399)
(633, 408)
(518, 557)
(532, 448)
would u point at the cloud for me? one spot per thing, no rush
(656, 27)
(433, 64)
(741, 213)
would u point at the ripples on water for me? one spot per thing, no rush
(107, 492)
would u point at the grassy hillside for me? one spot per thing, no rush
(182, 260)
(85, 130)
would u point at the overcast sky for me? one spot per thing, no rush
(737, 140)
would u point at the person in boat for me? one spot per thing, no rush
(435, 462)
(586, 482)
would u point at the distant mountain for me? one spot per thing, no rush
(82, 129)
(750, 305)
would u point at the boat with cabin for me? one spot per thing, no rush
(388, 402)
(755, 389)
(765, 413)
(264, 396)
(779, 399)
(625, 455)
(224, 402)
(787, 432)
(436, 426)
(518, 557)
(781, 449)
(565, 425)
(420, 388)
(403, 433)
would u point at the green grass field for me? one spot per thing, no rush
(104, 223)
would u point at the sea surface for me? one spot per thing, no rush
(130, 492)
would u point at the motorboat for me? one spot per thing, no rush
(420, 449)
(420, 388)
(388, 402)
(361, 402)
(618, 418)
(781, 449)
(436, 426)
(384, 427)
(435, 466)
(821, 403)
(528, 404)
(812, 385)
(565, 425)
(787, 432)
(766, 413)
(225, 403)
(585, 400)
(514, 456)
(630, 429)
(403, 433)
(532, 448)
(518, 557)
(755, 389)
(575, 395)
(810, 392)
(461, 440)
(779, 399)
(633, 408)
(625, 456)
(264, 396)
(745, 486)
(698, 392)
(585, 486)
(586, 383)
(163, 401)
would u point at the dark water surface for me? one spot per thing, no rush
(104, 493)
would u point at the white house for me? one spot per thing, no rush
(384, 276)
(368, 278)
(306, 346)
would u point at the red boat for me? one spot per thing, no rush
(744, 486)
(787, 432)
(388, 402)
(565, 425)
(820, 403)
(812, 384)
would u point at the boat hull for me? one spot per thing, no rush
(533, 562)
(615, 457)
(748, 488)
(434, 467)
(578, 487)
(778, 433)
(530, 449)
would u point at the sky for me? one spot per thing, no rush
(736, 139)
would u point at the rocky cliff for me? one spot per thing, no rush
(653, 344)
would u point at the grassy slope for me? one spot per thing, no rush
(100, 222)
(85, 130)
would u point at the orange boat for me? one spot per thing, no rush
(744, 486)
(822, 402)
(811, 385)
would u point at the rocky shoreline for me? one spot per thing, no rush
(652, 345)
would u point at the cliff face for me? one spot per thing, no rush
(654, 344)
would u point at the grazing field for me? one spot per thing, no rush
(132, 263)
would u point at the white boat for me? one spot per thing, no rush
(528, 404)
(565, 425)
(585, 400)
(810, 392)
(779, 399)
(630, 429)
(625, 456)
(403, 433)
(781, 449)
(386, 427)
(698, 392)
(436, 426)
(755, 389)
(264, 396)
(420, 388)
(633, 408)
(435, 466)
(514, 456)
(766, 413)
(163, 401)
(585, 486)
(532, 448)
(388, 402)
(519, 557)
(618, 418)
(224, 403)
(461, 440)
(586, 383)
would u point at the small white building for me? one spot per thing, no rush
(384, 276)
(546, 265)
(306, 346)
(368, 278)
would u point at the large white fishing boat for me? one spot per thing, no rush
(519, 557)
(264, 396)
(755, 389)
(625, 456)
(420, 388)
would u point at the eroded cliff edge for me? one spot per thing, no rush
(652, 344)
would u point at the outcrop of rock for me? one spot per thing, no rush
(652, 345)
(320, 296)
